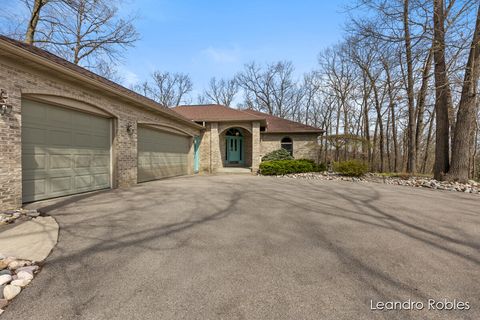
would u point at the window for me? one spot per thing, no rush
(287, 144)
(234, 132)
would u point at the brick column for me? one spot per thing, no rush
(255, 146)
(11, 151)
(216, 157)
(125, 148)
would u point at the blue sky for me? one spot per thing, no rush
(216, 38)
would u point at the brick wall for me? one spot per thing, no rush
(21, 82)
(305, 146)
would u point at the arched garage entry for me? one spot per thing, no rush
(162, 153)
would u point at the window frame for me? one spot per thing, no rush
(288, 143)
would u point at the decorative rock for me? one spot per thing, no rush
(3, 303)
(5, 278)
(33, 213)
(1, 311)
(10, 292)
(472, 186)
(31, 269)
(20, 282)
(6, 271)
(1, 292)
(9, 259)
(18, 263)
(3, 264)
(25, 275)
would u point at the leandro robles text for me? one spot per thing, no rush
(430, 304)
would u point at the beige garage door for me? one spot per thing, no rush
(63, 151)
(161, 154)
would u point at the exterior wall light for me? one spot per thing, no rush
(130, 129)
(5, 108)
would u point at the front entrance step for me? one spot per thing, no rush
(234, 170)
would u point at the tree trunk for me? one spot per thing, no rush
(411, 160)
(422, 96)
(443, 99)
(378, 108)
(32, 24)
(366, 120)
(429, 141)
(387, 135)
(459, 168)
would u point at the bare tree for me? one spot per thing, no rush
(466, 114)
(443, 100)
(89, 33)
(220, 91)
(168, 89)
(33, 21)
(412, 156)
(271, 88)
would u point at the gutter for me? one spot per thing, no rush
(149, 104)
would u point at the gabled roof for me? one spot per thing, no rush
(280, 125)
(220, 113)
(49, 60)
(216, 113)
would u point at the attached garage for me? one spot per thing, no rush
(64, 151)
(161, 154)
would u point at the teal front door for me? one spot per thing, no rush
(234, 149)
(196, 156)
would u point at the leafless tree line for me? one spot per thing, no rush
(89, 33)
(398, 92)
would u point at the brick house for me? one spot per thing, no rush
(65, 130)
(239, 138)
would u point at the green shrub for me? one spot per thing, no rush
(276, 155)
(321, 167)
(281, 167)
(352, 168)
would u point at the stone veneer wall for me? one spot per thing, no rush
(212, 147)
(21, 81)
(305, 146)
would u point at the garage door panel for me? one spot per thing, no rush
(35, 115)
(69, 155)
(101, 180)
(59, 138)
(32, 188)
(33, 135)
(60, 184)
(82, 182)
(34, 161)
(161, 154)
(60, 161)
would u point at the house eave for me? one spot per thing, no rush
(19, 52)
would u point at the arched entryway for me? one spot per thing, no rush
(234, 147)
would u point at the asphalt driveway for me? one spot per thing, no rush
(245, 247)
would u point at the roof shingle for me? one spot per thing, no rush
(215, 112)
(280, 125)
(86, 73)
(220, 113)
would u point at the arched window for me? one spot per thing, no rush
(234, 132)
(287, 144)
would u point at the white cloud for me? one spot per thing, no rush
(129, 78)
(222, 55)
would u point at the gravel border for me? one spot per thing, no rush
(472, 187)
